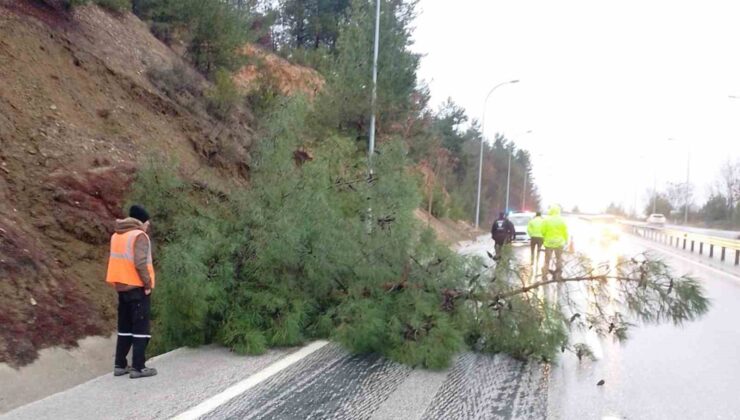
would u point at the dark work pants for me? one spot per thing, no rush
(535, 245)
(558, 262)
(499, 242)
(133, 327)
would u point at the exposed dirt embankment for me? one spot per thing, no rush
(448, 231)
(287, 78)
(78, 116)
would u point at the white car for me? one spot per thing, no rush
(520, 222)
(656, 219)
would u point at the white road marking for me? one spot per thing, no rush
(237, 389)
(696, 263)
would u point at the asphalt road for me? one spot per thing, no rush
(664, 371)
(326, 383)
(331, 384)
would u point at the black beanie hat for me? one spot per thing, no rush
(138, 212)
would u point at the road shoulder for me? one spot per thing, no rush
(186, 377)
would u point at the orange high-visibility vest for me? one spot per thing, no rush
(121, 264)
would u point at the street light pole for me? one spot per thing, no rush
(686, 187)
(508, 183)
(655, 190)
(688, 172)
(371, 147)
(524, 191)
(480, 156)
(373, 101)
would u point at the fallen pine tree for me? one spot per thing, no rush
(315, 248)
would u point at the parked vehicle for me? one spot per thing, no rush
(656, 219)
(520, 222)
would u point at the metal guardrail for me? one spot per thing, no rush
(689, 241)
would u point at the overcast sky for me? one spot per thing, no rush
(603, 86)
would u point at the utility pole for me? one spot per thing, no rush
(686, 187)
(524, 191)
(688, 172)
(371, 147)
(655, 191)
(480, 155)
(508, 182)
(374, 99)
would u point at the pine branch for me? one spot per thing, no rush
(598, 278)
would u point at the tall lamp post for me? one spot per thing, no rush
(373, 102)
(480, 156)
(688, 173)
(636, 186)
(374, 98)
(655, 191)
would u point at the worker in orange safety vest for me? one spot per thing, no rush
(131, 273)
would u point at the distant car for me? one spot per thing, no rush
(656, 219)
(520, 222)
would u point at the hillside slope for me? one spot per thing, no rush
(78, 115)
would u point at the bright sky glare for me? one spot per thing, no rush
(603, 86)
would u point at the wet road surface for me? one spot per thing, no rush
(332, 384)
(665, 371)
(662, 372)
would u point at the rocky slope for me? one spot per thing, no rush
(78, 115)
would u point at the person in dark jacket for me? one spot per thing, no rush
(502, 232)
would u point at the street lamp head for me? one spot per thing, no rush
(514, 81)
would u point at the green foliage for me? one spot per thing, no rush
(112, 5)
(215, 31)
(406, 326)
(659, 202)
(300, 255)
(312, 24)
(298, 261)
(448, 122)
(115, 5)
(442, 134)
(524, 328)
(266, 96)
(179, 83)
(195, 258)
(347, 99)
(440, 204)
(240, 335)
(316, 247)
(223, 97)
(715, 209)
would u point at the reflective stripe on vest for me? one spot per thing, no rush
(121, 263)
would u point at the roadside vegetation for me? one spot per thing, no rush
(319, 247)
(721, 208)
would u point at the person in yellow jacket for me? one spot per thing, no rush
(534, 230)
(131, 273)
(555, 237)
